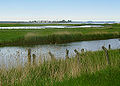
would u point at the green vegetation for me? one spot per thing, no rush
(106, 77)
(53, 36)
(86, 69)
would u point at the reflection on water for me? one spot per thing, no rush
(44, 27)
(18, 55)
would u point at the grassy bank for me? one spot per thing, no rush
(52, 36)
(106, 77)
(87, 69)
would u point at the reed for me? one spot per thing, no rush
(105, 77)
(49, 72)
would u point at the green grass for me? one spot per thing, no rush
(52, 36)
(91, 69)
(106, 77)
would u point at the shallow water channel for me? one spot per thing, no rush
(15, 55)
(44, 27)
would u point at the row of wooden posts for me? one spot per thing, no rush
(67, 55)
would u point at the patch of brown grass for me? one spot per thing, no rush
(66, 33)
(29, 35)
(61, 33)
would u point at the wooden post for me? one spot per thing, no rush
(67, 54)
(109, 46)
(29, 56)
(82, 50)
(34, 59)
(51, 55)
(77, 55)
(107, 56)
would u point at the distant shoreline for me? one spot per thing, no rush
(59, 22)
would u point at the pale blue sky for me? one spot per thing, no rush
(59, 9)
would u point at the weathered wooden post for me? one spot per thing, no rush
(34, 59)
(77, 55)
(51, 55)
(29, 56)
(67, 54)
(107, 56)
(82, 50)
(109, 47)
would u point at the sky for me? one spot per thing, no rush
(78, 10)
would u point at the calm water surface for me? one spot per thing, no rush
(44, 27)
(11, 56)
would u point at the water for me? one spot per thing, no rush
(44, 27)
(11, 56)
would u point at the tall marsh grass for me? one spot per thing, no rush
(48, 72)
(60, 37)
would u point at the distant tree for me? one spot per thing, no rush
(69, 21)
(63, 21)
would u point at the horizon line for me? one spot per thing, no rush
(59, 20)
